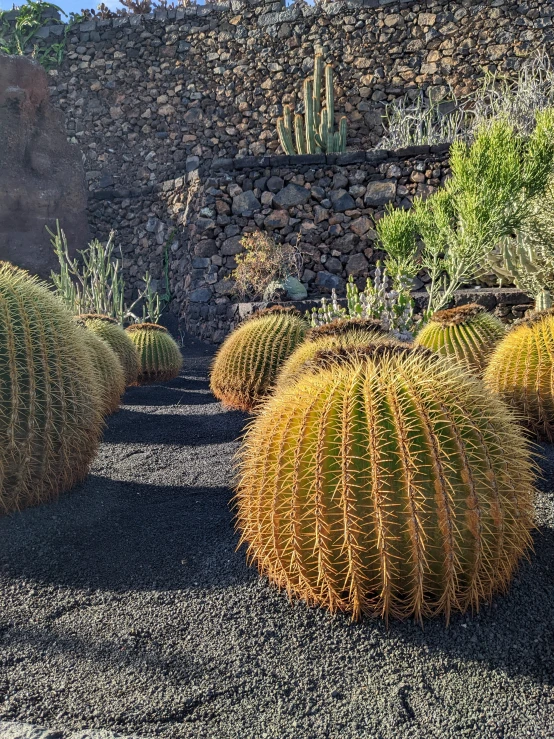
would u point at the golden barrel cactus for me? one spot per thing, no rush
(521, 371)
(349, 332)
(468, 334)
(107, 368)
(110, 331)
(160, 358)
(380, 484)
(247, 363)
(50, 407)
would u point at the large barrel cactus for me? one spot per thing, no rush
(387, 482)
(107, 368)
(521, 371)
(50, 409)
(111, 332)
(468, 334)
(348, 332)
(160, 358)
(247, 363)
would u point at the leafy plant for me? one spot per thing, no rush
(94, 282)
(264, 262)
(393, 307)
(16, 37)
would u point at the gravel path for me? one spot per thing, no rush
(125, 607)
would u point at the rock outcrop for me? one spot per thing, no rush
(41, 173)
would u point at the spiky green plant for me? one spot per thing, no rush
(521, 372)
(467, 334)
(391, 483)
(248, 361)
(315, 132)
(342, 332)
(159, 356)
(50, 419)
(107, 369)
(110, 331)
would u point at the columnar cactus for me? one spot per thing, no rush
(248, 361)
(314, 133)
(521, 371)
(347, 332)
(50, 417)
(107, 369)
(159, 356)
(111, 332)
(467, 334)
(388, 482)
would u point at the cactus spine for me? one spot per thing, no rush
(314, 132)
(111, 332)
(382, 485)
(340, 333)
(107, 369)
(521, 371)
(50, 419)
(159, 356)
(467, 334)
(248, 361)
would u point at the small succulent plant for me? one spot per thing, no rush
(159, 356)
(521, 371)
(50, 404)
(379, 483)
(467, 334)
(111, 332)
(248, 361)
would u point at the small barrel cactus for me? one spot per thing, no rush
(159, 356)
(354, 332)
(468, 334)
(107, 368)
(521, 371)
(388, 481)
(248, 361)
(50, 407)
(111, 332)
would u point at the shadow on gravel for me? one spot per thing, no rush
(126, 536)
(182, 391)
(137, 427)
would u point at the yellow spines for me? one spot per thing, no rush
(159, 356)
(387, 482)
(521, 371)
(107, 369)
(111, 332)
(467, 334)
(331, 336)
(246, 365)
(50, 406)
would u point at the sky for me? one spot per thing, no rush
(68, 6)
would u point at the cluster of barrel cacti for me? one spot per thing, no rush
(388, 478)
(314, 132)
(60, 375)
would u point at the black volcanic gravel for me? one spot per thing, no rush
(125, 606)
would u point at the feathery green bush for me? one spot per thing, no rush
(388, 483)
(50, 407)
(247, 363)
(467, 334)
(110, 331)
(159, 356)
(521, 372)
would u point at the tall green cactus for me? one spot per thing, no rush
(50, 406)
(159, 356)
(249, 359)
(314, 133)
(391, 484)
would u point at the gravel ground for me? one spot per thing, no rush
(126, 608)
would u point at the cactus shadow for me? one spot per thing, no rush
(126, 536)
(184, 390)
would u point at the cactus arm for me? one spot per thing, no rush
(342, 132)
(299, 134)
(285, 135)
(309, 110)
(330, 95)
